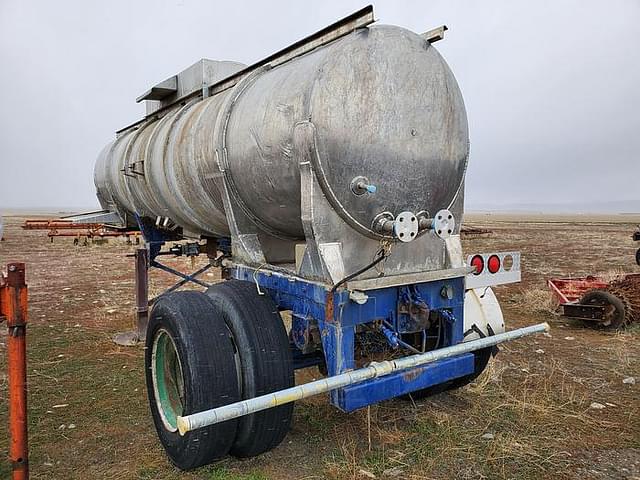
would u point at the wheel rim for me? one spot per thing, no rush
(609, 310)
(168, 380)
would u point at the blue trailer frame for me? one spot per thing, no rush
(308, 303)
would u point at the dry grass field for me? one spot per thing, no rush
(530, 416)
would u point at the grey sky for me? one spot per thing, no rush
(552, 88)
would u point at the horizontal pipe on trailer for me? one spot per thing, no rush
(375, 369)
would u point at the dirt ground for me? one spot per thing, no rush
(530, 415)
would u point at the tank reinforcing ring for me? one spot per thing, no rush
(443, 224)
(168, 383)
(405, 226)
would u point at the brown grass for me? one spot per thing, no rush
(536, 405)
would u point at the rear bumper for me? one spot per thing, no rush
(378, 389)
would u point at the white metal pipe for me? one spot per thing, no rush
(375, 369)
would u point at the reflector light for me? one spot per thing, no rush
(478, 262)
(493, 264)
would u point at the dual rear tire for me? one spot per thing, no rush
(213, 349)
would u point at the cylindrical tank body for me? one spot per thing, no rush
(385, 106)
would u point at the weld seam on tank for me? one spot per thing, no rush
(192, 219)
(163, 205)
(205, 169)
(111, 186)
(216, 201)
(125, 159)
(227, 109)
(105, 176)
(213, 200)
(142, 194)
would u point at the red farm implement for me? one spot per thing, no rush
(598, 302)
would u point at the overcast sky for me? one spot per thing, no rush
(552, 88)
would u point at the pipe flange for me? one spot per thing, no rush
(443, 224)
(405, 227)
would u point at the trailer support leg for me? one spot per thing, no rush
(134, 337)
(13, 307)
(142, 292)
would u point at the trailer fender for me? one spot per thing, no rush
(481, 308)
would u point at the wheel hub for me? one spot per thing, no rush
(168, 380)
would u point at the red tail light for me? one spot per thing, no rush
(493, 264)
(478, 262)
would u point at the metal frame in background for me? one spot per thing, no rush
(13, 310)
(61, 227)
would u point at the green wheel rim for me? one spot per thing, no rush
(168, 381)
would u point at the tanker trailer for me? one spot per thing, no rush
(327, 182)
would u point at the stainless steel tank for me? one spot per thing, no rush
(386, 108)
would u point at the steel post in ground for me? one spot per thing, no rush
(13, 306)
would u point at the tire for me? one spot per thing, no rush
(481, 360)
(614, 309)
(266, 362)
(190, 366)
(638, 256)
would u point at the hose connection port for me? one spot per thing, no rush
(361, 185)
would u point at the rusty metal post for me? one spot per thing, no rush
(142, 292)
(13, 306)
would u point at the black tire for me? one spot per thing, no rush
(481, 360)
(614, 309)
(265, 359)
(190, 325)
(638, 256)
